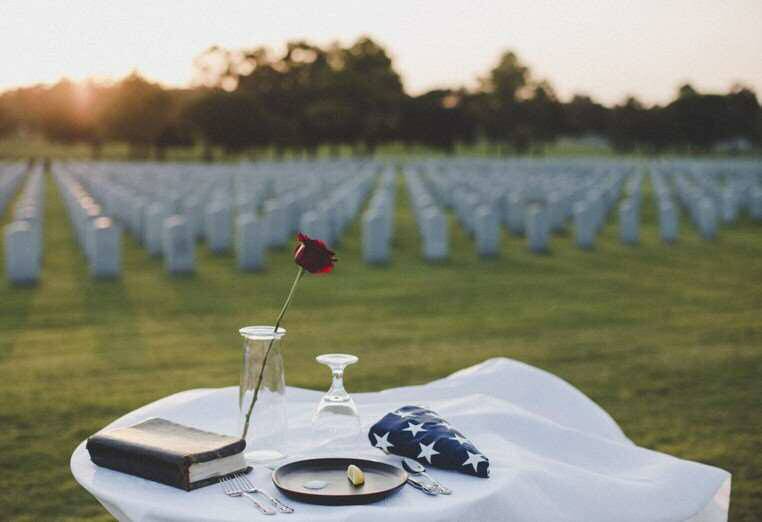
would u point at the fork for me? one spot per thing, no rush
(248, 487)
(231, 489)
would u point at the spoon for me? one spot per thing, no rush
(416, 468)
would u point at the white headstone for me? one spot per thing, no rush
(291, 214)
(729, 206)
(668, 222)
(329, 214)
(435, 235)
(584, 226)
(92, 212)
(137, 219)
(178, 246)
(193, 211)
(21, 260)
(755, 204)
(537, 228)
(556, 211)
(707, 219)
(251, 242)
(628, 222)
(375, 246)
(217, 226)
(276, 223)
(246, 204)
(154, 227)
(315, 225)
(515, 210)
(487, 232)
(106, 258)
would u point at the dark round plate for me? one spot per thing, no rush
(381, 480)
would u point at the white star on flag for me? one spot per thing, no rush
(473, 459)
(414, 428)
(403, 414)
(461, 440)
(427, 451)
(383, 442)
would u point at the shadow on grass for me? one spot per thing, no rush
(109, 309)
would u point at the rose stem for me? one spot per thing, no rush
(299, 274)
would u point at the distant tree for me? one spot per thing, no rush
(366, 79)
(312, 95)
(542, 116)
(306, 96)
(744, 113)
(628, 125)
(506, 86)
(700, 121)
(137, 112)
(507, 79)
(436, 119)
(230, 120)
(583, 115)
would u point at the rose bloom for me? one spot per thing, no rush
(313, 255)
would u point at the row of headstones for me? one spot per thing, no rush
(431, 220)
(669, 223)
(11, 177)
(378, 221)
(99, 236)
(166, 224)
(478, 213)
(325, 220)
(321, 216)
(629, 210)
(700, 206)
(319, 209)
(727, 192)
(143, 212)
(169, 223)
(23, 236)
(213, 222)
(165, 233)
(329, 216)
(531, 217)
(534, 210)
(592, 205)
(712, 197)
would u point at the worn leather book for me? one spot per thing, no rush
(173, 454)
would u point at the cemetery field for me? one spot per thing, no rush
(666, 339)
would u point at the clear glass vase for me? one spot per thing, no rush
(266, 434)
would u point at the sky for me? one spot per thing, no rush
(604, 48)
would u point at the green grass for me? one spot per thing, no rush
(37, 147)
(666, 339)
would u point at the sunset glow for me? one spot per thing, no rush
(606, 49)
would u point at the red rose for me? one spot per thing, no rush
(313, 255)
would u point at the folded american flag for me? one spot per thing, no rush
(423, 435)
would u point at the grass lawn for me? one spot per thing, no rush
(667, 339)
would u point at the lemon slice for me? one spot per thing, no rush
(355, 475)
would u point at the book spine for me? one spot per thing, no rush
(144, 465)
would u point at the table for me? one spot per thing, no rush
(555, 455)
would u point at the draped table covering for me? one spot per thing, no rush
(554, 456)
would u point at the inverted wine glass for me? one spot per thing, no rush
(336, 415)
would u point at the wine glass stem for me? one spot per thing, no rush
(337, 391)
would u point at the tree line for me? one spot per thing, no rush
(336, 96)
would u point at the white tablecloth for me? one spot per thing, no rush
(555, 456)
